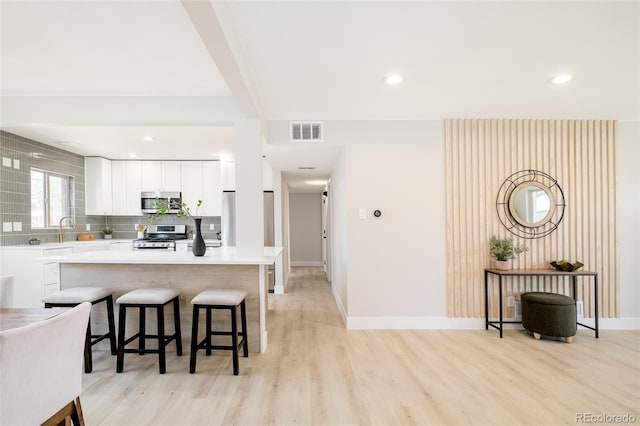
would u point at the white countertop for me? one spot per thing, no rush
(213, 256)
(46, 246)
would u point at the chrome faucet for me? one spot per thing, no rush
(60, 234)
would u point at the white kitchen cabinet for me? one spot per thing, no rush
(201, 181)
(171, 176)
(127, 185)
(151, 175)
(161, 176)
(98, 189)
(33, 279)
(211, 189)
(191, 178)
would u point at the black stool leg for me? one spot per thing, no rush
(112, 328)
(234, 340)
(208, 332)
(243, 320)
(120, 355)
(194, 339)
(161, 341)
(88, 359)
(176, 324)
(143, 328)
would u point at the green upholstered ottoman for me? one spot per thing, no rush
(549, 314)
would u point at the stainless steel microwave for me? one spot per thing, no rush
(149, 201)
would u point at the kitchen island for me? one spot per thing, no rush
(222, 267)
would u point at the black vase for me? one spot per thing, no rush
(199, 248)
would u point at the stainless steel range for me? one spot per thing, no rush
(161, 237)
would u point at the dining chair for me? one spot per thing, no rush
(41, 370)
(6, 291)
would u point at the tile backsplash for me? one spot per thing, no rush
(18, 156)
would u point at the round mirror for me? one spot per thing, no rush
(531, 204)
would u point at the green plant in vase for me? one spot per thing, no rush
(503, 250)
(108, 232)
(182, 210)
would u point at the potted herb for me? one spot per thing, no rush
(107, 231)
(503, 249)
(33, 241)
(198, 247)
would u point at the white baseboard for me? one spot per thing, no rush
(306, 263)
(445, 323)
(341, 309)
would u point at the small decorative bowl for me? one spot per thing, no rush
(34, 242)
(563, 265)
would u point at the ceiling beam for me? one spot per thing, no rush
(221, 43)
(117, 110)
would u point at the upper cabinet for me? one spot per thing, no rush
(98, 189)
(127, 186)
(211, 188)
(114, 187)
(201, 181)
(171, 176)
(161, 176)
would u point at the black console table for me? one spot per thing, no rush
(535, 273)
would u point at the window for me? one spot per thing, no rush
(51, 198)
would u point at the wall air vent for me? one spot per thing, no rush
(310, 131)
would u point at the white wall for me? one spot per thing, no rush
(629, 218)
(391, 272)
(305, 227)
(396, 262)
(339, 234)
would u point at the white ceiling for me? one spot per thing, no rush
(101, 74)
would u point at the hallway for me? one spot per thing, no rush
(315, 372)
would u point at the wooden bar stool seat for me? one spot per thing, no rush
(72, 297)
(219, 299)
(142, 299)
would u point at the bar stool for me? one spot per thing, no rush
(219, 299)
(144, 298)
(74, 296)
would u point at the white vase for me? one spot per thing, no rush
(503, 265)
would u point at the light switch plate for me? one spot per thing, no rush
(16, 163)
(362, 213)
(6, 161)
(88, 227)
(7, 227)
(212, 227)
(17, 226)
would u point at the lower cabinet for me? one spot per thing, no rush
(33, 280)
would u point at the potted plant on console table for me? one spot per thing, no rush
(503, 250)
(199, 248)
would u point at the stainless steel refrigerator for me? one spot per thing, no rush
(228, 223)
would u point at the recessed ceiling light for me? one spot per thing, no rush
(315, 182)
(561, 79)
(394, 79)
(306, 168)
(148, 138)
(133, 155)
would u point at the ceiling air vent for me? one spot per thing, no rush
(306, 131)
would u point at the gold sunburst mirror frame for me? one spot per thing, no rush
(530, 204)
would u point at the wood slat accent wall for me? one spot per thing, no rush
(581, 155)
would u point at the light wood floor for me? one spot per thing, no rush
(317, 373)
